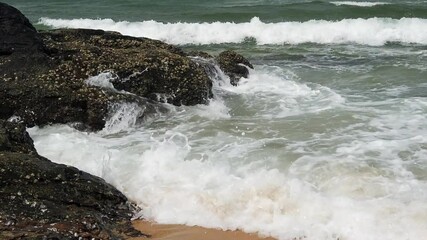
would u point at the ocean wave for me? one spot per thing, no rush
(340, 194)
(355, 173)
(280, 95)
(372, 31)
(359, 4)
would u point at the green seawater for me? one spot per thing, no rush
(209, 11)
(327, 139)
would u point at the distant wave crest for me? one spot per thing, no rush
(372, 31)
(359, 4)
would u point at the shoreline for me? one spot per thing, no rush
(57, 77)
(183, 232)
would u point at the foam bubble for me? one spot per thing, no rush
(372, 31)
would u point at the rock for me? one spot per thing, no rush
(16, 32)
(14, 138)
(234, 65)
(47, 84)
(20, 44)
(44, 200)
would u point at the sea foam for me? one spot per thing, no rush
(102, 80)
(232, 165)
(279, 94)
(372, 31)
(359, 4)
(176, 180)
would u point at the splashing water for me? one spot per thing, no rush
(272, 155)
(372, 31)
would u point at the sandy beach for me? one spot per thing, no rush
(182, 232)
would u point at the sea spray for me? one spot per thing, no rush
(218, 77)
(279, 94)
(123, 117)
(208, 190)
(103, 80)
(256, 167)
(325, 140)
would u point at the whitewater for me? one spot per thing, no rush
(255, 159)
(359, 4)
(372, 31)
(326, 139)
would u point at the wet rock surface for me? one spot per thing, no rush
(43, 200)
(145, 67)
(234, 65)
(43, 80)
(16, 32)
(42, 75)
(14, 138)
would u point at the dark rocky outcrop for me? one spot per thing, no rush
(14, 138)
(42, 75)
(16, 32)
(43, 200)
(145, 67)
(43, 81)
(234, 65)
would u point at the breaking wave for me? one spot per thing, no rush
(372, 31)
(359, 4)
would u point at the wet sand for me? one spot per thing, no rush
(182, 232)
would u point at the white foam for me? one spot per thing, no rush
(352, 183)
(372, 31)
(174, 185)
(102, 80)
(15, 119)
(359, 4)
(230, 165)
(215, 109)
(278, 94)
(123, 117)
